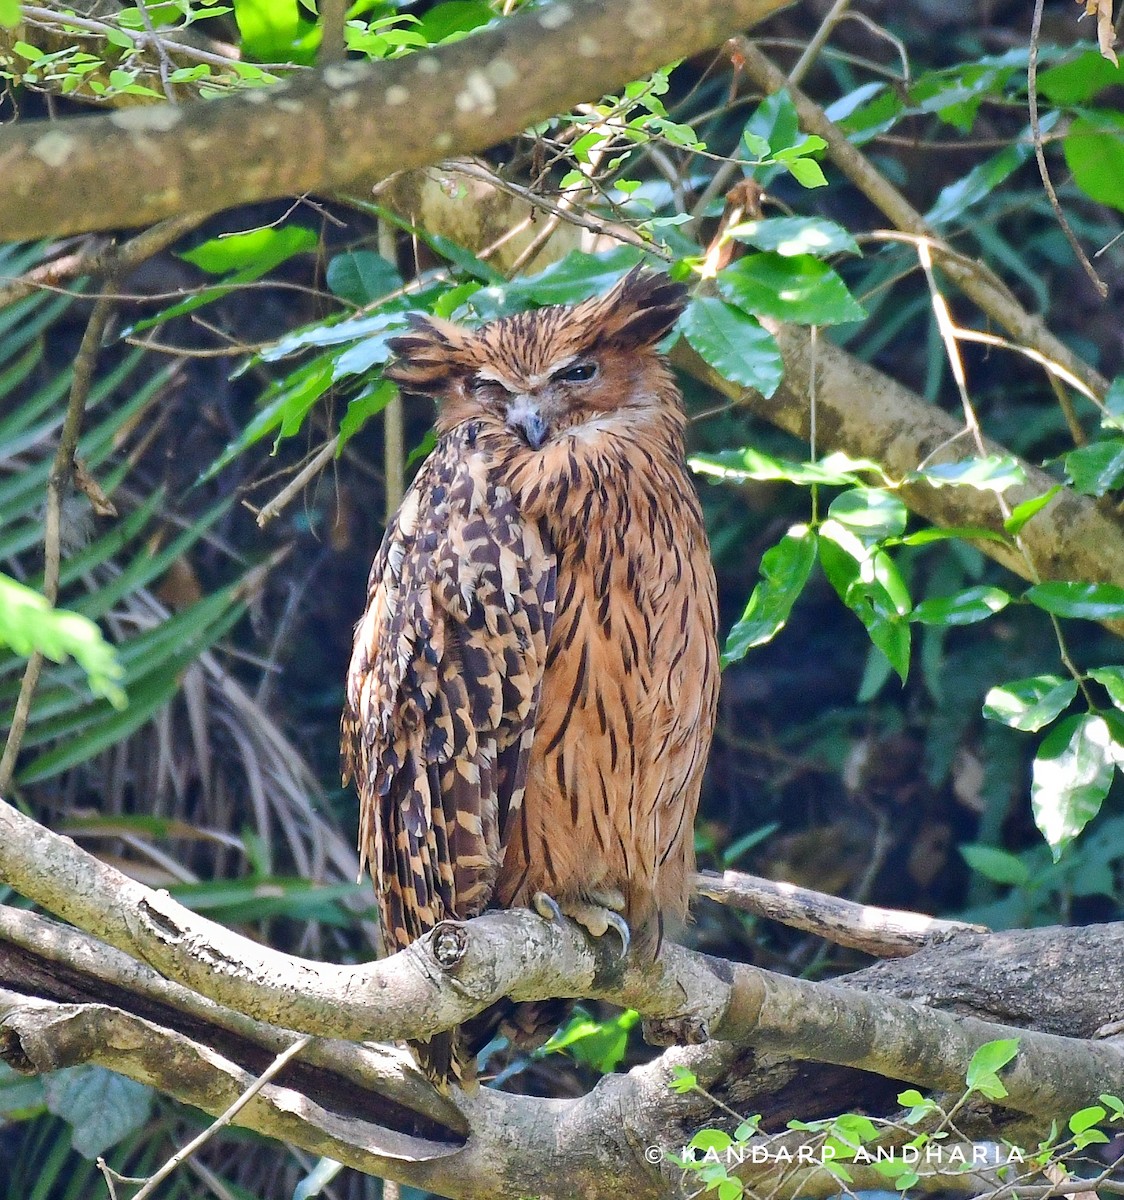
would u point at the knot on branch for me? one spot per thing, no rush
(448, 944)
(13, 1053)
(688, 1029)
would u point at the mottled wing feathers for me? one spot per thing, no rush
(444, 687)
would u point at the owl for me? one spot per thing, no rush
(532, 691)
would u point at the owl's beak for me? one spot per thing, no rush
(523, 415)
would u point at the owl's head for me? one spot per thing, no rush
(549, 370)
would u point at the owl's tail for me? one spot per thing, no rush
(450, 1058)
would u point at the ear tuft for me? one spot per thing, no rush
(424, 356)
(639, 310)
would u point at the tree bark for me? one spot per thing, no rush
(327, 128)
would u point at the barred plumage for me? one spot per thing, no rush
(533, 687)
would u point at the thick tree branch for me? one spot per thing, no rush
(458, 970)
(345, 121)
(879, 931)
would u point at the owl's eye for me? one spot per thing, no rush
(581, 372)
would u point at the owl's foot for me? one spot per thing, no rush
(597, 915)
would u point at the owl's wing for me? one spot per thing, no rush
(443, 689)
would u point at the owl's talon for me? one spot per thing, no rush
(546, 906)
(617, 922)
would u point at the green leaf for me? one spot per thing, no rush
(1080, 79)
(9, 13)
(269, 28)
(997, 865)
(731, 1188)
(1112, 680)
(990, 1058)
(100, 1106)
(362, 276)
(29, 623)
(773, 121)
(711, 1139)
(872, 514)
(1114, 404)
(992, 473)
(1072, 773)
(262, 249)
(792, 236)
(797, 288)
(784, 572)
(1029, 704)
(682, 1081)
(1086, 1118)
(806, 171)
(454, 18)
(1096, 468)
(1092, 601)
(964, 608)
(287, 403)
(746, 842)
(744, 466)
(371, 400)
(925, 537)
(734, 344)
(1022, 513)
(870, 585)
(599, 1044)
(955, 198)
(1094, 152)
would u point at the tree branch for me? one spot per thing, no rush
(458, 970)
(350, 120)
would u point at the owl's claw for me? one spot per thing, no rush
(596, 916)
(617, 922)
(546, 906)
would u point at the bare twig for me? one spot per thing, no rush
(308, 472)
(62, 472)
(107, 259)
(224, 1119)
(1040, 157)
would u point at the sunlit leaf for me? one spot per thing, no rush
(1112, 680)
(1093, 601)
(733, 343)
(1023, 512)
(262, 249)
(28, 623)
(873, 514)
(992, 473)
(749, 464)
(790, 236)
(1094, 152)
(1096, 468)
(784, 571)
(797, 288)
(964, 608)
(1029, 704)
(990, 1058)
(370, 401)
(1073, 770)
